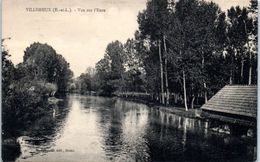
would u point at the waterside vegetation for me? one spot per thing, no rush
(182, 54)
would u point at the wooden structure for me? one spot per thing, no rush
(233, 104)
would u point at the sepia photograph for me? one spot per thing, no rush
(129, 80)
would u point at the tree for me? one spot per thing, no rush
(110, 69)
(103, 69)
(205, 40)
(192, 43)
(8, 72)
(115, 53)
(41, 62)
(153, 25)
(181, 37)
(252, 39)
(152, 72)
(87, 82)
(133, 76)
(240, 25)
(84, 83)
(24, 99)
(62, 74)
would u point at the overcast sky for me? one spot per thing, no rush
(81, 37)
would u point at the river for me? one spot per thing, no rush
(96, 129)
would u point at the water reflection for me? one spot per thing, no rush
(88, 128)
(39, 137)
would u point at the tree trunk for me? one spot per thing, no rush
(203, 61)
(250, 69)
(205, 93)
(184, 90)
(230, 77)
(161, 71)
(250, 60)
(204, 83)
(192, 101)
(250, 76)
(166, 73)
(232, 67)
(242, 71)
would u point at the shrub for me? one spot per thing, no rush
(24, 102)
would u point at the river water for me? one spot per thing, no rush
(96, 129)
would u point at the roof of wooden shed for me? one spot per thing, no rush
(234, 99)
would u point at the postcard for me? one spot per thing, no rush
(129, 80)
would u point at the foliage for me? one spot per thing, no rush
(24, 102)
(202, 49)
(201, 42)
(27, 86)
(42, 62)
(8, 72)
(120, 70)
(110, 69)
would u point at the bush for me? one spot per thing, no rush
(24, 102)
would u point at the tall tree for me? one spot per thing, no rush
(240, 25)
(110, 69)
(134, 76)
(153, 25)
(252, 39)
(103, 69)
(116, 53)
(193, 42)
(182, 35)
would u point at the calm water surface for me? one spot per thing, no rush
(96, 129)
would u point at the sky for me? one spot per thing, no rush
(81, 37)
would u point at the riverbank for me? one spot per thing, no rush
(180, 111)
(220, 124)
(191, 113)
(10, 143)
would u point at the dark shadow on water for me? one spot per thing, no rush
(173, 138)
(41, 132)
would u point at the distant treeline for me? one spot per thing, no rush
(27, 86)
(190, 48)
